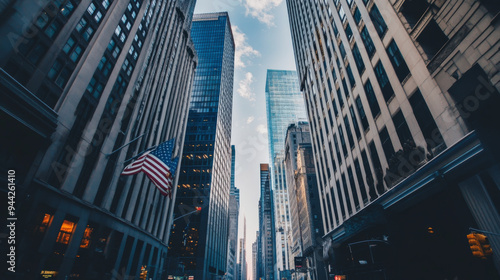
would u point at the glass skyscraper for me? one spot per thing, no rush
(198, 243)
(284, 105)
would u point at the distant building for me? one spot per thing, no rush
(254, 258)
(234, 207)
(198, 244)
(284, 105)
(266, 227)
(403, 101)
(304, 198)
(86, 86)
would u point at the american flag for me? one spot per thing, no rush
(158, 166)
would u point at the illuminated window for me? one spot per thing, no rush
(46, 221)
(86, 237)
(66, 231)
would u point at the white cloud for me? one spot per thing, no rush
(262, 129)
(243, 49)
(250, 119)
(261, 9)
(245, 87)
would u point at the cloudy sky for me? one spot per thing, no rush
(262, 37)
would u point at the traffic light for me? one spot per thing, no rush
(198, 209)
(479, 245)
(475, 246)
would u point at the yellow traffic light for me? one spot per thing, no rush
(475, 246)
(479, 245)
(485, 244)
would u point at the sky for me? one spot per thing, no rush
(263, 41)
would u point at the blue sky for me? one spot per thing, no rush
(263, 41)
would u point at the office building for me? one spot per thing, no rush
(266, 248)
(254, 258)
(284, 105)
(242, 264)
(306, 221)
(234, 209)
(402, 98)
(81, 86)
(198, 244)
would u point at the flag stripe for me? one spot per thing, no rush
(158, 167)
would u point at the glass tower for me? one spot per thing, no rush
(284, 105)
(198, 243)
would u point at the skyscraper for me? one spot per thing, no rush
(254, 258)
(234, 206)
(266, 227)
(402, 98)
(81, 96)
(198, 245)
(242, 275)
(306, 221)
(284, 105)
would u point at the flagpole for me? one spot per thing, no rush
(133, 140)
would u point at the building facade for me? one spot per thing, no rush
(234, 210)
(242, 264)
(254, 258)
(266, 262)
(284, 105)
(400, 96)
(198, 245)
(83, 78)
(306, 219)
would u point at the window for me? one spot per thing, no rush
(355, 122)
(116, 52)
(91, 8)
(402, 128)
(124, 19)
(425, 120)
(357, 16)
(105, 4)
(66, 231)
(98, 17)
(81, 24)
(350, 76)
(397, 61)
(348, 32)
(122, 37)
(75, 55)
(53, 29)
(63, 77)
(68, 9)
(342, 140)
(342, 14)
(42, 20)
(367, 41)
(339, 97)
(432, 39)
(378, 21)
(348, 130)
(342, 50)
(118, 30)
(386, 143)
(383, 81)
(88, 33)
(414, 10)
(362, 114)
(358, 59)
(56, 67)
(128, 25)
(69, 45)
(102, 62)
(372, 99)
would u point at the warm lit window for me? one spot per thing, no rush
(66, 231)
(86, 237)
